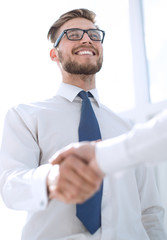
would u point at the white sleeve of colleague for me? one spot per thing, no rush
(22, 180)
(145, 144)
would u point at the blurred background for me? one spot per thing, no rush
(133, 81)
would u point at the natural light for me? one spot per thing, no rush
(156, 45)
(27, 73)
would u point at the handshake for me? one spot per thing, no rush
(74, 175)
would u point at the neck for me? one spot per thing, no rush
(86, 82)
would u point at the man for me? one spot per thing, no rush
(33, 133)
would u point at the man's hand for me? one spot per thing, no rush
(79, 175)
(84, 151)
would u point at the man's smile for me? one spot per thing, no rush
(85, 51)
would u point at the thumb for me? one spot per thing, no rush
(60, 155)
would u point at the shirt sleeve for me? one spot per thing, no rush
(152, 211)
(22, 179)
(144, 144)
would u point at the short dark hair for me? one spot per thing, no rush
(76, 13)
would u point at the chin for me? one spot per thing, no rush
(86, 68)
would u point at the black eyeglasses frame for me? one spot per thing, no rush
(84, 31)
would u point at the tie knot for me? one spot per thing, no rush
(84, 95)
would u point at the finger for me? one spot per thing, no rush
(60, 155)
(76, 186)
(64, 179)
(69, 187)
(68, 172)
(70, 194)
(84, 171)
(62, 197)
(78, 149)
(70, 181)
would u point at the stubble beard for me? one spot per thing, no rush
(74, 67)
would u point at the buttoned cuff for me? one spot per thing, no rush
(39, 186)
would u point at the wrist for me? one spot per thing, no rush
(51, 181)
(94, 165)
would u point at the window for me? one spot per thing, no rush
(155, 19)
(115, 80)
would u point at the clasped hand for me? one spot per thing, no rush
(75, 175)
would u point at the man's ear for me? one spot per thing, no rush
(53, 55)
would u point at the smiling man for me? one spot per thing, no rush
(124, 208)
(78, 51)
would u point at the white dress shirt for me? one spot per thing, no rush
(145, 144)
(131, 208)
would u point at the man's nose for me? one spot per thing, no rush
(86, 38)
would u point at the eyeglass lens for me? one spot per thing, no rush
(77, 34)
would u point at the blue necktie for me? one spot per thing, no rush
(89, 212)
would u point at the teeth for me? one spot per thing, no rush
(85, 53)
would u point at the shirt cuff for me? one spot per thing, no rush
(39, 186)
(111, 155)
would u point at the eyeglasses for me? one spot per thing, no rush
(75, 34)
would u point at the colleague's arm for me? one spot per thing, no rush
(145, 144)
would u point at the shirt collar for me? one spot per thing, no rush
(70, 92)
(95, 94)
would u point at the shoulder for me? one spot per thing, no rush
(29, 112)
(34, 107)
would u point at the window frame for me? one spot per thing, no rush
(144, 108)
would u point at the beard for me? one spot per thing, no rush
(74, 67)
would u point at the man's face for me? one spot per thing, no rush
(82, 56)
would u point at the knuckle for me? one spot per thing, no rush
(63, 170)
(76, 191)
(72, 196)
(98, 179)
(82, 168)
(79, 183)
